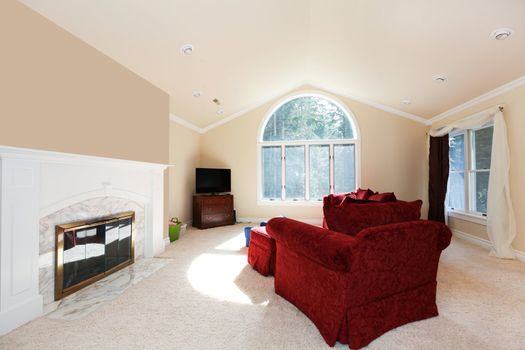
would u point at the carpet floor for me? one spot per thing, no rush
(208, 297)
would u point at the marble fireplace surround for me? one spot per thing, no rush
(40, 189)
(88, 209)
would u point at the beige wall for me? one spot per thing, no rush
(184, 158)
(514, 113)
(57, 93)
(392, 152)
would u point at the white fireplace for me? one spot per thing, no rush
(40, 189)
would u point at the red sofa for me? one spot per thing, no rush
(355, 288)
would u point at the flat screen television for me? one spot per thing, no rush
(212, 180)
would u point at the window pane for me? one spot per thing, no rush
(272, 172)
(457, 152)
(456, 191)
(319, 171)
(482, 187)
(308, 118)
(482, 147)
(295, 174)
(344, 168)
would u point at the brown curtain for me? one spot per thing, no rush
(437, 177)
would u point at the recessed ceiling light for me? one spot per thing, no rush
(501, 33)
(440, 78)
(187, 49)
(406, 102)
(196, 94)
(220, 111)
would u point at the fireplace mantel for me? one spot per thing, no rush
(37, 183)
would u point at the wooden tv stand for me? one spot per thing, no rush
(212, 210)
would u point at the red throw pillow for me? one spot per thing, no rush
(336, 199)
(363, 194)
(383, 197)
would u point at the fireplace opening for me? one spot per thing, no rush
(87, 251)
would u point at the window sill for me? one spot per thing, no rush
(477, 219)
(280, 203)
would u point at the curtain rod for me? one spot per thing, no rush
(500, 107)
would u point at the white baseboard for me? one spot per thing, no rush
(483, 243)
(167, 241)
(520, 255)
(318, 222)
(249, 220)
(20, 314)
(472, 239)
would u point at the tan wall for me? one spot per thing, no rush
(184, 158)
(514, 113)
(393, 157)
(57, 93)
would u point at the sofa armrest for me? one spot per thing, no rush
(328, 248)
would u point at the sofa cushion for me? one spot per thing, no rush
(354, 201)
(351, 218)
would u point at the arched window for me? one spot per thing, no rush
(308, 148)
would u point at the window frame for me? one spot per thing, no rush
(469, 172)
(283, 201)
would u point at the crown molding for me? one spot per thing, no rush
(486, 96)
(54, 157)
(380, 106)
(186, 123)
(377, 105)
(233, 116)
(253, 106)
(313, 85)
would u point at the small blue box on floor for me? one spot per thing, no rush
(247, 230)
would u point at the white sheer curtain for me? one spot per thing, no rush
(501, 223)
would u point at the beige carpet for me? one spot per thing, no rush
(209, 298)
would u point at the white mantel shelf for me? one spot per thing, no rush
(36, 183)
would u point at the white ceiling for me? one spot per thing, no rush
(249, 51)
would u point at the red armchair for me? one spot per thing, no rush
(355, 288)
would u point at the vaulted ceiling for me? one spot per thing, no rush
(246, 52)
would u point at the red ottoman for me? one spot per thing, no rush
(261, 252)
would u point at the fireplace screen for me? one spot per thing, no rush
(88, 251)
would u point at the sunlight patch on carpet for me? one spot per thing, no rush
(234, 244)
(214, 275)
